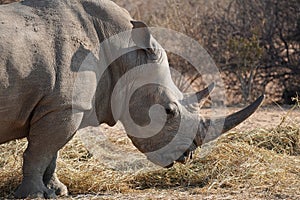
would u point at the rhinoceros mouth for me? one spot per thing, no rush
(183, 159)
(186, 156)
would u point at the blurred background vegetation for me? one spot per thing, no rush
(255, 44)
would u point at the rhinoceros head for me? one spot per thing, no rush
(158, 118)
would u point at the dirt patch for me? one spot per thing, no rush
(244, 164)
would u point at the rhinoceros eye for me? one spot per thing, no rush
(171, 110)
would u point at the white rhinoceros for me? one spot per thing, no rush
(42, 46)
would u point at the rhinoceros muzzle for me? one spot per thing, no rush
(224, 124)
(183, 159)
(187, 155)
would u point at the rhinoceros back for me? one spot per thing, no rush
(42, 45)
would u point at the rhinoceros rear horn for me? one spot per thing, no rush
(230, 121)
(142, 38)
(197, 97)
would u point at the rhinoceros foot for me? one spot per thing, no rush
(34, 190)
(59, 188)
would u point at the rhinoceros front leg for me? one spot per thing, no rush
(46, 137)
(51, 180)
(34, 166)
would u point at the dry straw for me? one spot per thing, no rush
(258, 160)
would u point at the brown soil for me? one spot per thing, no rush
(265, 118)
(269, 117)
(83, 174)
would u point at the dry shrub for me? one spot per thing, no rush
(284, 140)
(8, 1)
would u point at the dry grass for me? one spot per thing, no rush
(237, 164)
(259, 160)
(10, 166)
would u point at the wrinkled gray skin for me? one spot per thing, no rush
(42, 45)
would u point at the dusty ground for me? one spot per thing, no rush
(269, 117)
(265, 117)
(83, 173)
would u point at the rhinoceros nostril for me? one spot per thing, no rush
(169, 111)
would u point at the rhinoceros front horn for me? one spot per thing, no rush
(235, 119)
(223, 124)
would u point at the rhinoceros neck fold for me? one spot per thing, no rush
(109, 99)
(108, 25)
(103, 99)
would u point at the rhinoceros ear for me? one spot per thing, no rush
(142, 37)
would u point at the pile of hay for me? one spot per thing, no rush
(258, 160)
(10, 166)
(76, 168)
(245, 160)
